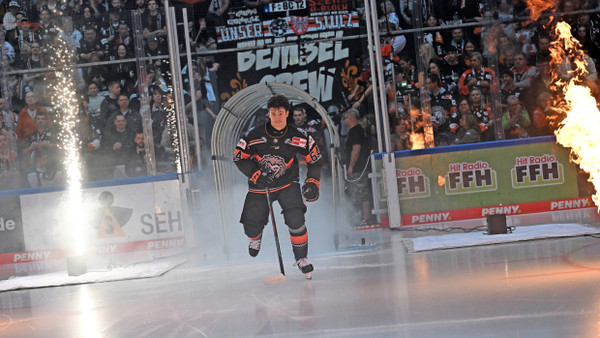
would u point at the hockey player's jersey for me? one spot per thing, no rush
(274, 151)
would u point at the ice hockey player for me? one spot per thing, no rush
(267, 156)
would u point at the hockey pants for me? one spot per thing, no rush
(255, 216)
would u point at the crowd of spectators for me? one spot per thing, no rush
(493, 76)
(110, 124)
(465, 92)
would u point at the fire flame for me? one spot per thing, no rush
(574, 102)
(417, 140)
(537, 7)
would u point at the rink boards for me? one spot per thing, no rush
(530, 180)
(127, 222)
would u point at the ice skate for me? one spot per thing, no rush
(254, 246)
(305, 266)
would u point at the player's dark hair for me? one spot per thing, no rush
(279, 101)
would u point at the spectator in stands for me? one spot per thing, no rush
(116, 143)
(216, 13)
(543, 49)
(435, 38)
(506, 59)
(400, 138)
(468, 51)
(99, 8)
(96, 73)
(10, 18)
(87, 20)
(203, 38)
(89, 136)
(515, 120)
(483, 113)
(154, 22)
(47, 31)
(8, 122)
(590, 46)
(469, 131)
(568, 6)
(158, 115)
(524, 36)
(409, 74)
(140, 6)
(540, 124)
(118, 7)
(90, 44)
(389, 18)
(24, 34)
(125, 71)
(9, 168)
(363, 89)
(136, 161)
(507, 89)
(43, 137)
(22, 58)
(94, 101)
(16, 87)
(35, 61)
(26, 124)
(124, 37)
(523, 73)
(9, 51)
(156, 49)
(458, 40)
(478, 76)
(110, 31)
(54, 9)
(45, 171)
(443, 111)
(110, 104)
(133, 117)
(453, 67)
(427, 53)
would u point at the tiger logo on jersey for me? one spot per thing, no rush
(273, 164)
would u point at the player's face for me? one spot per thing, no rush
(278, 116)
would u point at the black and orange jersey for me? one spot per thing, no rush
(274, 151)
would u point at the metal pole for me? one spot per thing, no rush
(192, 87)
(383, 125)
(370, 47)
(177, 89)
(145, 110)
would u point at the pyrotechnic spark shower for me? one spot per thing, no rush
(65, 104)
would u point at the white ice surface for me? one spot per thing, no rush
(133, 271)
(522, 233)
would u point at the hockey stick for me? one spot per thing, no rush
(281, 277)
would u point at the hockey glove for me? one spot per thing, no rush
(310, 190)
(261, 179)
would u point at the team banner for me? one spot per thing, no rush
(300, 51)
(509, 177)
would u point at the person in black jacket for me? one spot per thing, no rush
(267, 156)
